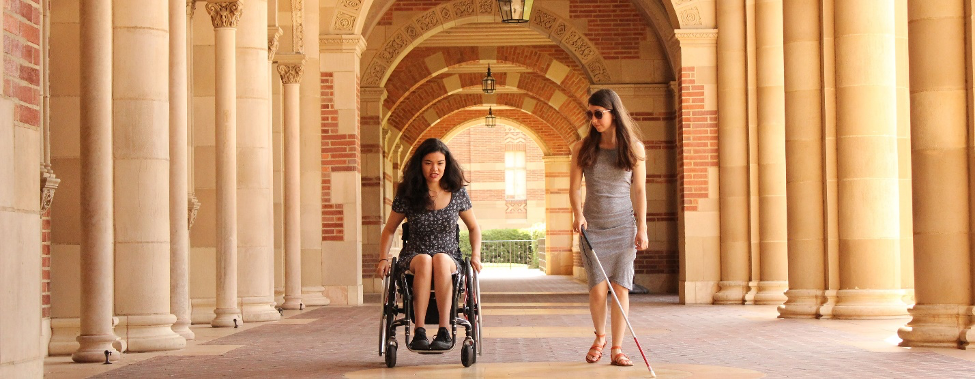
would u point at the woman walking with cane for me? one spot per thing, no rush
(611, 158)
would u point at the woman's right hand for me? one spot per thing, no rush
(383, 267)
(579, 223)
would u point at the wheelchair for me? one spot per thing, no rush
(397, 304)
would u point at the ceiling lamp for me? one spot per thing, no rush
(515, 11)
(490, 119)
(488, 84)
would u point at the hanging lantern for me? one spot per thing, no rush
(515, 11)
(488, 84)
(490, 119)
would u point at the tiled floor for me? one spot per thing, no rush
(539, 327)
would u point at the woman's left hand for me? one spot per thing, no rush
(476, 263)
(641, 240)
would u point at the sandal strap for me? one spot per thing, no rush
(600, 335)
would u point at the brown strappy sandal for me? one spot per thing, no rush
(620, 359)
(598, 349)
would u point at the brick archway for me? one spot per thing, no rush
(460, 12)
(546, 137)
(438, 111)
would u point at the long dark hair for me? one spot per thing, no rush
(625, 129)
(413, 187)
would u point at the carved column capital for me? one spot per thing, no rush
(274, 34)
(191, 7)
(291, 73)
(193, 205)
(49, 184)
(225, 14)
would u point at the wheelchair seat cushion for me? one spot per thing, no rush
(433, 231)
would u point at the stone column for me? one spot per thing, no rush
(179, 222)
(292, 236)
(804, 133)
(905, 154)
(255, 203)
(371, 151)
(142, 169)
(559, 231)
(342, 238)
(97, 281)
(941, 156)
(225, 17)
(734, 181)
(773, 161)
(868, 171)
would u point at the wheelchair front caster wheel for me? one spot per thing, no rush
(468, 352)
(391, 354)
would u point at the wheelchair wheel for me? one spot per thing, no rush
(477, 311)
(468, 352)
(390, 358)
(385, 315)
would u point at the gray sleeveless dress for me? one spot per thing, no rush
(610, 221)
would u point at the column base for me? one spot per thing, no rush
(801, 304)
(869, 304)
(259, 310)
(937, 325)
(771, 293)
(92, 349)
(145, 333)
(29, 368)
(314, 296)
(227, 318)
(64, 336)
(690, 292)
(292, 302)
(828, 307)
(182, 327)
(730, 293)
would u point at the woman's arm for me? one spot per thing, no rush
(474, 236)
(576, 177)
(638, 197)
(386, 240)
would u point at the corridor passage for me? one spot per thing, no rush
(539, 327)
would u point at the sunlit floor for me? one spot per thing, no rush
(538, 326)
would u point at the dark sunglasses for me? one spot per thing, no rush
(598, 113)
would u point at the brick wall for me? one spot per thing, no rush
(614, 26)
(339, 154)
(698, 142)
(22, 85)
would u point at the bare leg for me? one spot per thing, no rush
(618, 324)
(598, 312)
(443, 267)
(420, 265)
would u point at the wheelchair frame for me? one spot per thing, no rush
(397, 299)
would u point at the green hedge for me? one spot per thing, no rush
(534, 233)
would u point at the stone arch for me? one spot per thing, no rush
(434, 90)
(460, 12)
(531, 133)
(547, 137)
(448, 105)
(416, 69)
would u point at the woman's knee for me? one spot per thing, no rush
(443, 263)
(421, 263)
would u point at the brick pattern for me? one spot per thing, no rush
(557, 143)
(614, 26)
(698, 141)
(483, 146)
(340, 153)
(22, 59)
(46, 264)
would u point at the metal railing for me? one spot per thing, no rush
(511, 252)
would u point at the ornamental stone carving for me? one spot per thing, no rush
(345, 21)
(298, 34)
(225, 14)
(191, 6)
(290, 73)
(193, 205)
(428, 21)
(486, 6)
(274, 33)
(690, 16)
(49, 184)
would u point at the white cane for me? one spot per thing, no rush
(616, 300)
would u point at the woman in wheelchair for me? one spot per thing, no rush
(431, 197)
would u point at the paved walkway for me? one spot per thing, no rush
(538, 327)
